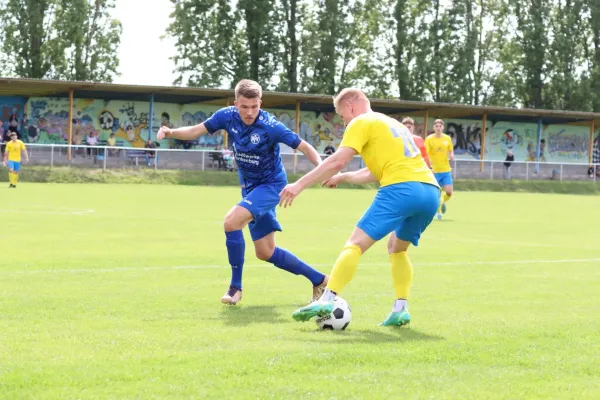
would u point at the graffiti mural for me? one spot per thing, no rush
(9, 107)
(47, 122)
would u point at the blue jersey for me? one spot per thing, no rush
(256, 146)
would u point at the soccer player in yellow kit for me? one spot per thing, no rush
(441, 152)
(405, 203)
(13, 154)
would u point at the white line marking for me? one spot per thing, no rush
(57, 211)
(266, 265)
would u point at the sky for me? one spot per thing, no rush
(144, 57)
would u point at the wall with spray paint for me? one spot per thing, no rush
(47, 122)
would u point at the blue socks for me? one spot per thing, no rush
(287, 261)
(236, 247)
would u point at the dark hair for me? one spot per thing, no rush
(166, 115)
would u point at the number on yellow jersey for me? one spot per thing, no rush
(410, 148)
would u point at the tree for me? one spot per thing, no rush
(290, 13)
(219, 43)
(89, 40)
(592, 8)
(61, 39)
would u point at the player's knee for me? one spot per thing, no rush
(448, 190)
(264, 253)
(232, 222)
(396, 245)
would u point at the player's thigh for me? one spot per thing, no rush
(424, 204)
(385, 213)
(361, 239)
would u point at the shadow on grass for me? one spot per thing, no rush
(246, 315)
(376, 335)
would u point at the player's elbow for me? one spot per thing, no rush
(337, 164)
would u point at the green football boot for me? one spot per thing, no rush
(398, 318)
(314, 309)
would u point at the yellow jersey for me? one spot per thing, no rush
(438, 149)
(388, 149)
(14, 149)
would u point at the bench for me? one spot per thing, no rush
(135, 155)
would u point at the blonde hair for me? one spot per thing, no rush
(438, 121)
(348, 95)
(408, 120)
(248, 89)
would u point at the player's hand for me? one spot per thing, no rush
(288, 194)
(4, 163)
(163, 132)
(333, 182)
(451, 157)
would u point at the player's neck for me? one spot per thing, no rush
(438, 135)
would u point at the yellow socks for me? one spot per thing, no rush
(402, 274)
(344, 268)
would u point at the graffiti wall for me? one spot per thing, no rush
(47, 122)
(559, 143)
(10, 106)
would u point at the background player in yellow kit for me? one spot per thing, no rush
(13, 154)
(405, 203)
(441, 152)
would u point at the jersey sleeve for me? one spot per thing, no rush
(22, 146)
(450, 145)
(218, 120)
(357, 134)
(282, 134)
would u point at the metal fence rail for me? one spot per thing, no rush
(107, 157)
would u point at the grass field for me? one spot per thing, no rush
(112, 291)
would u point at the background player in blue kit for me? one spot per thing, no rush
(256, 136)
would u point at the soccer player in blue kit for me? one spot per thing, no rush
(256, 136)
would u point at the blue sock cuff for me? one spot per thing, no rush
(278, 257)
(234, 236)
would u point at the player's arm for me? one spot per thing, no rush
(328, 168)
(5, 158)
(360, 177)
(184, 133)
(216, 122)
(310, 152)
(451, 151)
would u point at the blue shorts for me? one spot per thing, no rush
(14, 165)
(406, 208)
(262, 202)
(444, 178)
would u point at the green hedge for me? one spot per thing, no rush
(221, 178)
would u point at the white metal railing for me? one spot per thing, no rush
(107, 157)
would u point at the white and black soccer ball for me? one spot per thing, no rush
(106, 120)
(339, 319)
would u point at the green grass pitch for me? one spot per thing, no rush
(112, 292)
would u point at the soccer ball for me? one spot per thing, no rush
(339, 319)
(106, 120)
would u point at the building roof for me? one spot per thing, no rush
(308, 102)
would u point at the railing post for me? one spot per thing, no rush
(491, 170)
(526, 170)
(454, 169)
(561, 172)
(203, 153)
(105, 157)
(52, 156)
(156, 152)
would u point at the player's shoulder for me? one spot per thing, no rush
(267, 119)
(430, 137)
(363, 120)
